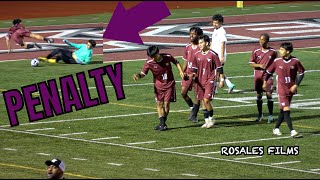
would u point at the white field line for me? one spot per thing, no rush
(162, 151)
(150, 169)
(146, 142)
(191, 175)
(73, 134)
(251, 157)
(80, 159)
(289, 162)
(129, 115)
(224, 143)
(314, 169)
(43, 129)
(115, 164)
(9, 149)
(44, 154)
(116, 137)
(215, 152)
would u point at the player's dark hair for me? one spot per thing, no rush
(93, 43)
(16, 21)
(217, 17)
(196, 30)
(205, 38)
(287, 46)
(152, 51)
(266, 35)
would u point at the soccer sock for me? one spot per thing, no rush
(30, 46)
(162, 121)
(280, 119)
(58, 58)
(45, 39)
(195, 109)
(270, 106)
(288, 119)
(165, 119)
(259, 106)
(189, 102)
(205, 114)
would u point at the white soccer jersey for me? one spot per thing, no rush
(219, 36)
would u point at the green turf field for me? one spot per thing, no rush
(169, 154)
(117, 140)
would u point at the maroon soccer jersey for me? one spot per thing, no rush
(14, 28)
(188, 56)
(162, 71)
(266, 58)
(286, 73)
(207, 65)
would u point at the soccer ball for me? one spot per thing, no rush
(35, 62)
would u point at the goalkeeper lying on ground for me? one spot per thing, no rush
(81, 56)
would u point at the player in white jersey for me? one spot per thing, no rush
(218, 44)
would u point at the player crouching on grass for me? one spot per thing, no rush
(17, 32)
(81, 56)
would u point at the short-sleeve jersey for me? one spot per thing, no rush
(14, 28)
(207, 63)
(266, 58)
(162, 71)
(286, 73)
(188, 56)
(219, 36)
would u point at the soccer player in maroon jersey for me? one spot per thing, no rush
(207, 67)
(261, 58)
(17, 33)
(164, 83)
(187, 83)
(287, 68)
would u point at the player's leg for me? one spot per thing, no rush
(208, 95)
(269, 90)
(230, 85)
(184, 92)
(258, 82)
(282, 103)
(62, 54)
(286, 114)
(259, 102)
(159, 95)
(39, 37)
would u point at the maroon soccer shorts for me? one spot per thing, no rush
(284, 101)
(207, 92)
(187, 83)
(259, 77)
(19, 35)
(168, 95)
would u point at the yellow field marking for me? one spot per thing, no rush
(42, 170)
(308, 127)
(308, 51)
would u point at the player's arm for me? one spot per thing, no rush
(180, 69)
(223, 46)
(138, 76)
(255, 65)
(8, 43)
(78, 46)
(221, 75)
(299, 78)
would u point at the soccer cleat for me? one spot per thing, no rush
(194, 119)
(205, 124)
(210, 123)
(43, 59)
(161, 127)
(50, 40)
(277, 132)
(259, 118)
(37, 45)
(231, 88)
(294, 133)
(270, 119)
